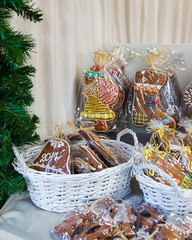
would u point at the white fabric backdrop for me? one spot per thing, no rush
(72, 28)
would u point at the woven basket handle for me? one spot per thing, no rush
(145, 166)
(126, 131)
(19, 161)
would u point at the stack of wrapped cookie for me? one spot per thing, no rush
(107, 219)
(79, 152)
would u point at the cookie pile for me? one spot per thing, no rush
(108, 219)
(81, 152)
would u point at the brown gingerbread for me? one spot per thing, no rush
(80, 166)
(95, 143)
(72, 223)
(98, 230)
(54, 157)
(149, 217)
(147, 85)
(92, 158)
(169, 232)
(169, 165)
(165, 139)
(101, 94)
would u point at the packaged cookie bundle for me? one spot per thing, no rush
(76, 167)
(88, 154)
(170, 165)
(173, 228)
(108, 219)
(164, 138)
(165, 174)
(105, 90)
(155, 95)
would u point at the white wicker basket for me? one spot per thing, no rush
(169, 198)
(63, 192)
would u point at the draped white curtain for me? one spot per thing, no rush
(73, 28)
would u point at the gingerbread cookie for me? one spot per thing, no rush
(126, 219)
(92, 158)
(149, 217)
(101, 94)
(147, 85)
(169, 166)
(187, 159)
(80, 166)
(169, 231)
(99, 230)
(54, 157)
(187, 99)
(72, 223)
(164, 139)
(95, 143)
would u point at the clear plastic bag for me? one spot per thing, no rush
(164, 138)
(105, 89)
(169, 164)
(154, 93)
(186, 101)
(104, 219)
(74, 151)
(55, 156)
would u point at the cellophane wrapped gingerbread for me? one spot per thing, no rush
(104, 93)
(75, 151)
(173, 228)
(165, 138)
(108, 219)
(154, 92)
(169, 164)
(186, 102)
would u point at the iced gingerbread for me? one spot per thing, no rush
(147, 85)
(169, 165)
(101, 94)
(187, 99)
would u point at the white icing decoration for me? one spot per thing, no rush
(188, 97)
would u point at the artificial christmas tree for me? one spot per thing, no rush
(17, 126)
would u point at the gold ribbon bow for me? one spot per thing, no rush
(155, 58)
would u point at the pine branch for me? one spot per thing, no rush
(19, 121)
(23, 9)
(11, 182)
(16, 48)
(6, 153)
(17, 126)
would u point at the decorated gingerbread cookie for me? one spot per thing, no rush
(187, 159)
(169, 166)
(101, 94)
(187, 98)
(54, 157)
(164, 139)
(147, 85)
